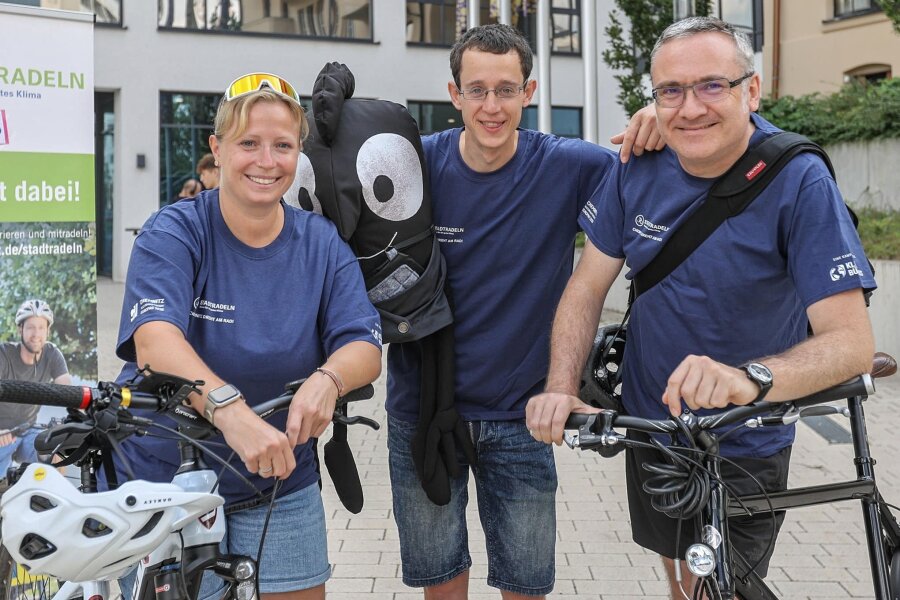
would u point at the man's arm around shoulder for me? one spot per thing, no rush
(574, 328)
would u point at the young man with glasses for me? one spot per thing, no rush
(505, 204)
(729, 325)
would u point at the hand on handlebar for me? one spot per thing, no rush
(546, 414)
(704, 383)
(312, 409)
(263, 448)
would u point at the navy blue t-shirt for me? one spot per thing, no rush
(258, 317)
(507, 237)
(744, 292)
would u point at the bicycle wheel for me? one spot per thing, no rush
(17, 584)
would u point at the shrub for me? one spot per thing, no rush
(856, 113)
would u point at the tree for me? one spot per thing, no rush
(892, 9)
(630, 53)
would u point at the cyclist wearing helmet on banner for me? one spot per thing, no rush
(32, 358)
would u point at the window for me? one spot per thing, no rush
(434, 116)
(867, 74)
(851, 8)
(330, 19)
(744, 15)
(440, 22)
(186, 122)
(107, 11)
(566, 120)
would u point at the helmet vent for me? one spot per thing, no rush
(148, 527)
(34, 547)
(93, 528)
(41, 503)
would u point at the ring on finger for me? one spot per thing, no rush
(266, 470)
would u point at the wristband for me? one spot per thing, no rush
(334, 378)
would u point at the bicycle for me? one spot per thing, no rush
(720, 570)
(178, 524)
(19, 431)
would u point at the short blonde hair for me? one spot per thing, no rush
(233, 115)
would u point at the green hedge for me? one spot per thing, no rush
(855, 113)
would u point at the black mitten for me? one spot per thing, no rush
(342, 469)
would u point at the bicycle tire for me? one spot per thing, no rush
(18, 584)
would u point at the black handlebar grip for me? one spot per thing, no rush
(363, 393)
(44, 394)
(576, 420)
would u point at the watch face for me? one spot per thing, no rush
(760, 373)
(223, 394)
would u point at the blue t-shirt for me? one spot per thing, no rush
(507, 237)
(258, 317)
(743, 293)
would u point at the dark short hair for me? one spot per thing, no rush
(206, 162)
(495, 38)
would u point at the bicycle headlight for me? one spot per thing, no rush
(244, 570)
(701, 560)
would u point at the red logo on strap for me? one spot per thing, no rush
(755, 170)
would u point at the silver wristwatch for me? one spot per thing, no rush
(219, 397)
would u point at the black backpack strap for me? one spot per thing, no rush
(729, 196)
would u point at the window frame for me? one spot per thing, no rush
(839, 16)
(570, 12)
(288, 36)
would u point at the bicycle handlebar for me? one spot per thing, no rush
(861, 385)
(84, 397)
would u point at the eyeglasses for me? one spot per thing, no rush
(252, 82)
(505, 92)
(714, 90)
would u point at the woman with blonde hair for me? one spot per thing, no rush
(246, 293)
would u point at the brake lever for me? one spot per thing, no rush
(356, 420)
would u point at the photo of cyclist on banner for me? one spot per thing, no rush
(33, 358)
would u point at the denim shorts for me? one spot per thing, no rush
(515, 480)
(22, 450)
(295, 553)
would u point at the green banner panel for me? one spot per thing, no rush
(45, 187)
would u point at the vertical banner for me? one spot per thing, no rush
(47, 229)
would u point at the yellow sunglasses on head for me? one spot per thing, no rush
(252, 82)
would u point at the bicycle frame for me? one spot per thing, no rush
(878, 520)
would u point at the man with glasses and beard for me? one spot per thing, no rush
(32, 358)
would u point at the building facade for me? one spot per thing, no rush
(161, 67)
(819, 45)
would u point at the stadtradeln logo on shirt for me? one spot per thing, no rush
(217, 312)
(647, 229)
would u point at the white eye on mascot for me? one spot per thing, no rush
(362, 167)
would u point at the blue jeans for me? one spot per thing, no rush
(295, 553)
(22, 450)
(515, 479)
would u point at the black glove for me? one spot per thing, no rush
(342, 469)
(440, 428)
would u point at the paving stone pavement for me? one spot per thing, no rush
(820, 553)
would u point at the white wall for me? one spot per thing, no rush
(138, 61)
(867, 172)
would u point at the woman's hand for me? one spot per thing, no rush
(311, 409)
(264, 450)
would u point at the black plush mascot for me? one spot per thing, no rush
(362, 167)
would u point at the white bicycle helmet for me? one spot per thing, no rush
(51, 528)
(34, 308)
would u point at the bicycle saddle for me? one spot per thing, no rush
(883, 365)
